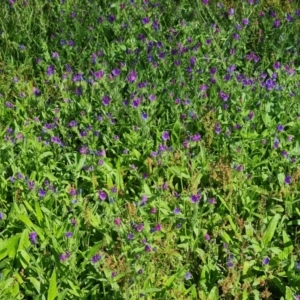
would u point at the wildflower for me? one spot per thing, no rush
(102, 195)
(280, 128)
(207, 236)
(132, 76)
(113, 274)
(1, 215)
(140, 271)
(287, 179)
(140, 227)
(195, 198)
(158, 227)
(42, 193)
(188, 275)
(176, 211)
(33, 237)
(96, 258)
(165, 135)
(130, 236)
(106, 100)
(266, 261)
(118, 222)
(50, 70)
(116, 72)
(68, 234)
(145, 20)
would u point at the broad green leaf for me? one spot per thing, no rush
(214, 294)
(52, 291)
(35, 282)
(12, 245)
(268, 235)
(288, 293)
(288, 246)
(38, 212)
(24, 258)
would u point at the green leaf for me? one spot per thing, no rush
(268, 235)
(45, 154)
(38, 212)
(288, 246)
(288, 293)
(80, 164)
(35, 282)
(12, 245)
(24, 258)
(52, 292)
(214, 294)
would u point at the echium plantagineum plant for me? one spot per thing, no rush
(143, 150)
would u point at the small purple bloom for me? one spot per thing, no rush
(165, 135)
(118, 222)
(106, 100)
(33, 237)
(68, 234)
(280, 128)
(287, 179)
(158, 227)
(130, 236)
(266, 261)
(188, 275)
(132, 76)
(96, 258)
(116, 72)
(1, 215)
(176, 211)
(145, 20)
(42, 193)
(195, 198)
(102, 195)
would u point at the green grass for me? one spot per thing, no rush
(149, 150)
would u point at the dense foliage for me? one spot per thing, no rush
(149, 149)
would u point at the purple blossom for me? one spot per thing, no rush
(33, 237)
(96, 258)
(118, 222)
(102, 195)
(158, 227)
(99, 74)
(68, 234)
(106, 100)
(145, 20)
(132, 76)
(266, 261)
(42, 193)
(50, 70)
(1, 215)
(287, 179)
(116, 72)
(280, 127)
(195, 198)
(188, 276)
(176, 211)
(165, 136)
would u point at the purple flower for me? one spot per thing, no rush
(165, 136)
(140, 227)
(223, 96)
(195, 198)
(152, 97)
(130, 236)
(245, 22)
(287, 179)
(106, 100)
(196, 137)
(50, 70)
(145, 20)
(96, 258)
(116, 72)
(188, 275)
(276, 23)
(266, 261)
(176, 211)
(33, 237)
(118, 222)
(205, 2)
(72, 124)
(132, 76)
(280, 128)
(207, 236)
(231, 12)
(140, 271)
(68, 234)
(99, 74)
(42, 193)
(158, 227)
(1, 215)
(276, 65)
(218, 128)
(102, 195)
